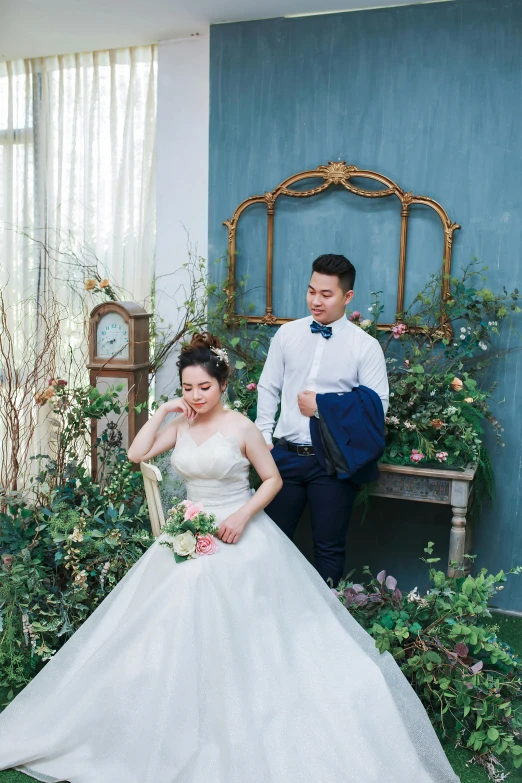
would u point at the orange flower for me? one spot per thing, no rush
(42, 397)
(456, 384)
(437, 423)
(90, 284)
(104, 283)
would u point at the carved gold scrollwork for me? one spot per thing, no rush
(231, 225)
(270, 201)
(338, 174)
(269, 319)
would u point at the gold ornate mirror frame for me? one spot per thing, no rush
(334, 174)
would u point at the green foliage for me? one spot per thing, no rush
(68, 542)
(71, 411)
(447, 646)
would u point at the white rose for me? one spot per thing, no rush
(184, 544)
(366, 323)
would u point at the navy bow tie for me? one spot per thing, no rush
(326, 331)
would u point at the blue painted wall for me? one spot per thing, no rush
(431, 96)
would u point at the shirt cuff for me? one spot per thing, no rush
(267, 435)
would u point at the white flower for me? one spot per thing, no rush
(221, 353)
(370, 309)
(483, 346)
(413, 596)
(463, 336)
(433, 393)
(392, 394)
(451, 410)
(76, 535)
(462, 329)
(366, 323)
(184, 544)
(237, 404)
(492, 323)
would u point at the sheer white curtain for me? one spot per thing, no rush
(77, 166)
(98, 117)
(77, 191)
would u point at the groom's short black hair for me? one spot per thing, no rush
(331, 264)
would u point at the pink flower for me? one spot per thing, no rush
(251, 386)
(355, 316)
(192, 509)
(442, 456)
(416, 456)
(398, 330)
(206, 545)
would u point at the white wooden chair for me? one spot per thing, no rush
(151, 478)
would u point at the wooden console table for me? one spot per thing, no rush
(430, 485)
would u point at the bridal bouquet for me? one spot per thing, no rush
(192, 531)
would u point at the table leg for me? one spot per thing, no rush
(458, 534)
(457, 540)
(468, 550)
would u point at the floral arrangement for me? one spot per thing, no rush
(447, 646)
(192, 532)
(97, 285)
(438, 354)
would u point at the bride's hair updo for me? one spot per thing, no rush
(205, 350)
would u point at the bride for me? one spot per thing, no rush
(240, 667)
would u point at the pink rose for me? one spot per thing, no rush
(355, 316)
(442, 456)
(192, 509)
(251, 386)
(206, 545)
(416, 456)
(398, 330)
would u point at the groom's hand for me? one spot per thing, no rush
(307, 403)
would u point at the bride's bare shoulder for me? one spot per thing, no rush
(242, 426)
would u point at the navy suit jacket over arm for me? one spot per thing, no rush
(355, 421)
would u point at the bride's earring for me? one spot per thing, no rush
(224, 399)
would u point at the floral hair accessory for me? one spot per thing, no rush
(221, 354)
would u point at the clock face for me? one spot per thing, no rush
(112, 337)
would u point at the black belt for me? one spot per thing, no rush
(297, 448)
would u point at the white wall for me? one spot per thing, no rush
(182, 176)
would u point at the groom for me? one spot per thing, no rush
(319, 354)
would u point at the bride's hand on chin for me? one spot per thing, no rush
(178, 405)
(231, 529)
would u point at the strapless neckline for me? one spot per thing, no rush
(203, 442)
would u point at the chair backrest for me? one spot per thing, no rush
(151, 477)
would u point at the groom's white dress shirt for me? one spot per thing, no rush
(299, 360)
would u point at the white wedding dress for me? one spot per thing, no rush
(237, 667)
